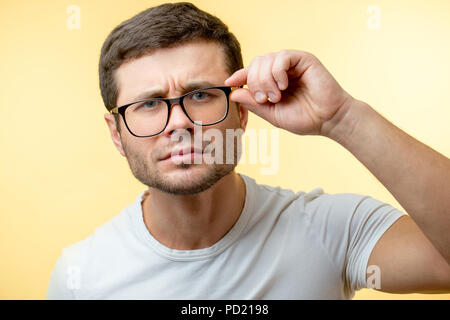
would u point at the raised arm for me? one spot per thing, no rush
(305, 99)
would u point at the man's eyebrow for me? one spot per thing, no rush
(153, 93)
(196, 85)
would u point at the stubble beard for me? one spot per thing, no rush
(189, 182)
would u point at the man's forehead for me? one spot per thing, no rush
(194, 57)
(188, 66)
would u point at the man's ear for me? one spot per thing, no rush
(243, 116)
(115, 135)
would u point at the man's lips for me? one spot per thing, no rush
(182, 151)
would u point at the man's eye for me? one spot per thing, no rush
(151, 104)
(200, 95)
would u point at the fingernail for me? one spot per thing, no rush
(272, 96)
(260, 97)
(280, 85)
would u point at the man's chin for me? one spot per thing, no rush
(186, 179)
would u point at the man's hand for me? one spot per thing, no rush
(304, 98)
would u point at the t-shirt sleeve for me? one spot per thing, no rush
(349, 226)
(64, 279)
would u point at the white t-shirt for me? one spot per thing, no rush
(285, 245)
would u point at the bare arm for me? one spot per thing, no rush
(416, 175)
(414, 254)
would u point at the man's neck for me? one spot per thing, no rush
(188, 222)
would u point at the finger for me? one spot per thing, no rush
(253, 81)
(238, 78)
(245, 98)
(281, 65)
(266, 80)
(289, 63)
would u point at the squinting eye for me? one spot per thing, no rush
(200, 95)
(151, 104)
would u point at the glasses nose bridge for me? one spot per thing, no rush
(175, 101)
(171, 102)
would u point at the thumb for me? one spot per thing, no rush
(245, 98)
(239, 78)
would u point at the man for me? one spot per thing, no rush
(203, 231)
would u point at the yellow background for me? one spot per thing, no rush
(60, 175)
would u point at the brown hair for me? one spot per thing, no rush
(163, 26)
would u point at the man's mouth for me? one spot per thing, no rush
(183, 154)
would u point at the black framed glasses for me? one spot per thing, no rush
(149, 117)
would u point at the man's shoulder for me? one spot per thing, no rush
(105, 239)
(269, 193)
(311, 203)
(277, 205)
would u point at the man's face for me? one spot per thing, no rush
(169, 70)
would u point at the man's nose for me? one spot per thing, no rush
(178, 121)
